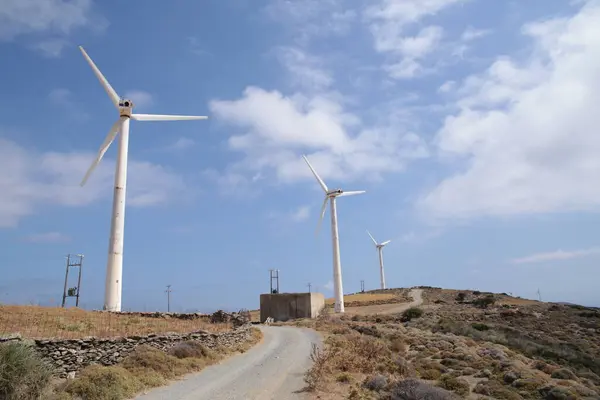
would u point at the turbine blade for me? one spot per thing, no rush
(372, 238)
(386, 242)
(114, 97)
(158, 117)
(323, 185)
(351, 193)
(109, 139)
(322, 215)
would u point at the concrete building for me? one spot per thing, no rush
(286, 306)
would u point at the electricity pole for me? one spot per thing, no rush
(308, 287)
(362, 286)
(168, 292)
(73, 260)
(274, 277)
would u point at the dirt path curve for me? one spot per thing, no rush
(273, 369)
(396, 308)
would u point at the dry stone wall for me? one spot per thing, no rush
(72, 355)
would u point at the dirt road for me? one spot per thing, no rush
(417, 295)
(273, 369)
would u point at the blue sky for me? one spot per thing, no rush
(472, 125)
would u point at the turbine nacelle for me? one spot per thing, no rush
(125, 107)
(329, 194)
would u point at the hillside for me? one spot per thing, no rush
(461, 344)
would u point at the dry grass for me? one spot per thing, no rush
(72, 323)
(365, 297)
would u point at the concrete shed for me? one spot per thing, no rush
(286, 306)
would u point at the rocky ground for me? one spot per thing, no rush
(471, 345)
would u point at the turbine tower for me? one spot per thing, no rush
(380, 247)
(114, 265)
(331, 195)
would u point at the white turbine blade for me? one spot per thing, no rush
(351, 193)
(323, 185)
(322, 215)
(372, 238)
(114, 97)
(386, 242)
(158, 117)
(109, 139)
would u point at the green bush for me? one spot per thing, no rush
(24, 375)
(411, 313)
(480, 327)
(484, 302)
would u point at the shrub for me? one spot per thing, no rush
(460, 297)
(411, 313)
(412, 389)
(344, 377)
(190, 349)
(480, 327)
(375, 383)
(24, 374)
(563, 373)
(484, 302)
(430, 374)
(476, 292)
(457, 385)
(104, 383)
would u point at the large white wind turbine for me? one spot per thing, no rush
(331, 195)
(380, 247)
(114, 265)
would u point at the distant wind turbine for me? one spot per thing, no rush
(331, 195)
(380, 247)
(114, 265)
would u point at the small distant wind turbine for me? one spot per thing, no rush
(380, 247)
(331, 195)
(114, 266)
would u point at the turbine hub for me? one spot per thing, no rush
(335, 192)
(125, 107)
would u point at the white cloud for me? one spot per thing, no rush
(51, 178)
(140, 98)
(312, 18)
(558, 255)
(42, 17)
(472, 33)
(301, 214)
(388, 21)
(278, 128)
(51, 48)
(305, 70)
(525, 131)
(182, 143)
(48, 237)
(328, 286)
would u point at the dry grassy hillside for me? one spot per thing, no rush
(471, 345)
(71, 323)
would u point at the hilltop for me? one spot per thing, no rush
(459, 344)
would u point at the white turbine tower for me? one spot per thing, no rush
(331, 195)
(380, 247)
(114, 265)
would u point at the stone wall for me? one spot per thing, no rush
(72, 355)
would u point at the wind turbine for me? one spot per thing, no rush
(331, 195)
(114, 265)
(380, 247)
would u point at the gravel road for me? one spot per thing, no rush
(273, 369)
(395, 308)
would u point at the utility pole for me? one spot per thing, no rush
(308, 287)
(73, 260)
(274, 277)
(362, 286)
(168, 292)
